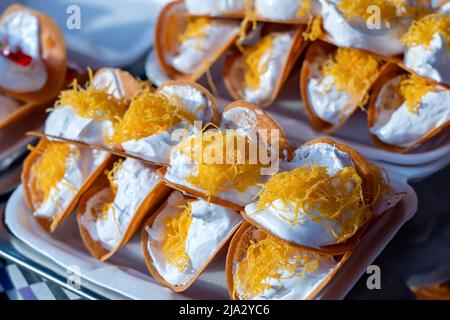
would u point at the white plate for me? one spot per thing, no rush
(112, 33)
(126, 274)
(289, 111)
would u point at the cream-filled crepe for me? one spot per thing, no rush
(216, 8)
(258, 73)
(155, 121)
(184, 237)
(292, 11)
(91, 114)
(427, 47)
(324, 200)
(405, 110)
(353, 24)
(334, 82)
(32, 55)
(284, 11)
(117, 203)
(261, 266)
(187, 46)
(53, 176)
(226, 165)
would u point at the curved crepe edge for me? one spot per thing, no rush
(129, 84)
(168, 25)
(366, 171)
(26, 177)
(212, 101)
(234, 87)
(152, 200)
(391, 71)
(319, 48)
(264, 121)
(53, 54)
(149, 261)
(236, 253)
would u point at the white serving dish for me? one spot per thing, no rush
(126, 275)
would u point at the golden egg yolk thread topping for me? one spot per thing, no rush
(220, 168)
(249, 18)
(150, 113)
(255, 66)
(110, 175)
(353, 72)
(412, 89)
(270, 258)
(314, 27)
(50, 167)
(175, 235)
(324, 198)
(422, 31)
(196, 28)
(93, 103)
(390, 10)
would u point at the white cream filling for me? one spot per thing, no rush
(181, 167)
(134, 182)
(157, 147)
(356, 34)
(215, 7)
(20, 29)
(274, 62)
(80, 164)
(432, 62)
(64, 122)
(282, 10)
(399, 126)
(210, 227)
(7, 106)
(295, 286)
(304, 230)
(240, 119)
(195, 52)
(329, 103)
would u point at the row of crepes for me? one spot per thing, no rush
(388, 57)
(166, 162)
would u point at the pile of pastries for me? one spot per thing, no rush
(389, 58)
(126, 157)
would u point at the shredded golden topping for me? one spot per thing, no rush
(50, 167)
(150, 113)
(353, 71)
(271, 258)
(253, 56)
(412, 89)
(320, 196)
(314, 28)
(422, 31)
(249, 18)
(175, 235)
(390, 10)
(196, 28)
(93, 103)
(223, 161)
(110, 174)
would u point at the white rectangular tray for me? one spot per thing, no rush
(126, 275)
